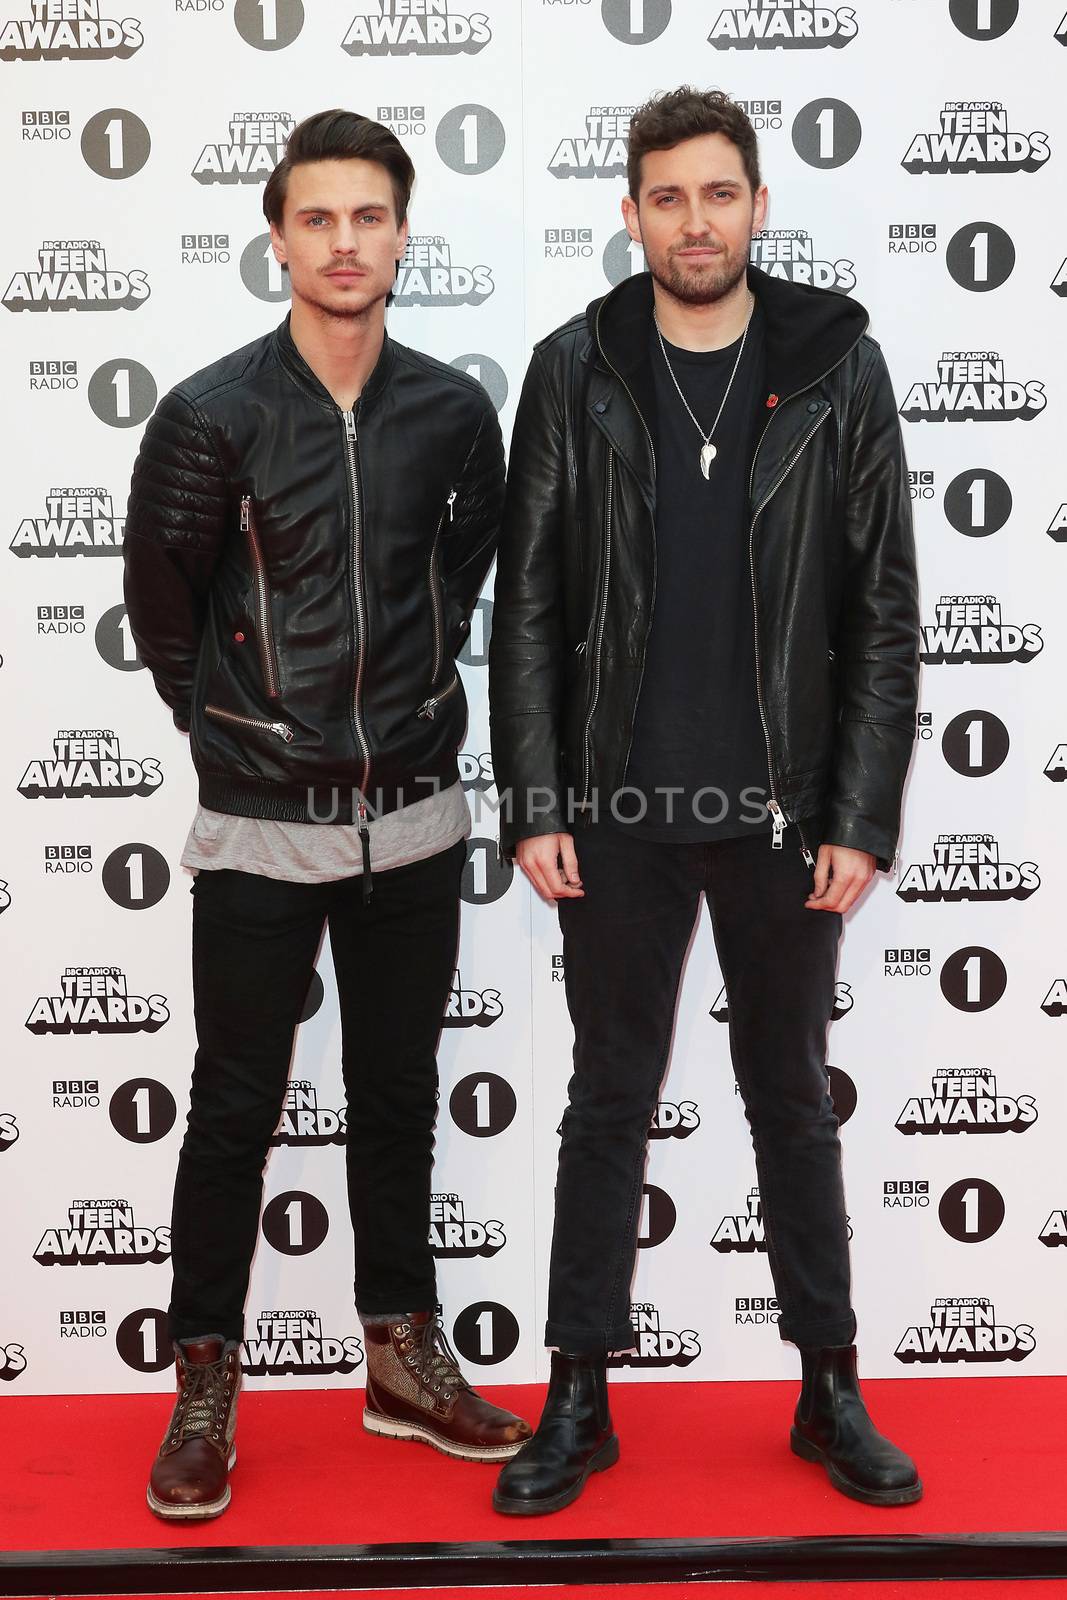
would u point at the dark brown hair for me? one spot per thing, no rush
(686, 113)
(340, 136)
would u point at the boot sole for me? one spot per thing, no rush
(605, 1457)
(872, 1497)
(173, 1512)
(389, 1428)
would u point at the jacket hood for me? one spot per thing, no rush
(808, 331)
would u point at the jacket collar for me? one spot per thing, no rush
(807, 331)
(298, 369)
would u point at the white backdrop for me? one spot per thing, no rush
(913, 151)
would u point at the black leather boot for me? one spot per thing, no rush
(832, 1426)
(574, 1438)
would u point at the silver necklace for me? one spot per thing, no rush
(708, 451)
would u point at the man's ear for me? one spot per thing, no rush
(278, 244)
(631, 219)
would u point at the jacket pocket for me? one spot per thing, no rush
(428, 709)
(268, 655)
(280, 730)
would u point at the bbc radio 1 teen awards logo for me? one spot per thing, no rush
(456, 1237)
(73, 275)
(965, 1329)
(783, 25)
(970, 627)
(744, 1233)
(671, 1121)
(599, 152)
(291, 1344)
(89, 762)
(472, 1008)
(69, 30)
(427, 276)
(101, 1233)
(971, 387)
(77, 521)
(968, 866)
(789, 253)
(967, 1100)
(416, 27)
(975, 136)
(655, 1346)
(96, 1000)
(304, 1122)
(256, 144)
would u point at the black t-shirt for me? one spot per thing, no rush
(698, 723)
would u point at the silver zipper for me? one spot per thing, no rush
(281, 730)
(429, 706)
(587, 753)
(779, 819)
(357, 591)
(268, 659)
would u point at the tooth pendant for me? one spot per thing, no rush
(707, 456)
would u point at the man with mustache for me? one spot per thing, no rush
(310, 522)
(703, 679)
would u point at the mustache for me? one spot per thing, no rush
(698, 244)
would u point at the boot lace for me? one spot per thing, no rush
(433, 1360)
(202, 1402)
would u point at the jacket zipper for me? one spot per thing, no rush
(774, 806)
(587, 753)
(268, 656)
(262, 724)
(429, 706)
(352, 460)
(435, 596)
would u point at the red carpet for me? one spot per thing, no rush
(1038, 1590)
(699, 1460)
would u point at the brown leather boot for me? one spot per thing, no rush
(189, 1475)
(415, 1390)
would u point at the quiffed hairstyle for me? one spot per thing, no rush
(340, 136)
(678, 114)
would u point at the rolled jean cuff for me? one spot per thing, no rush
(820, 1335)
(584, 1342)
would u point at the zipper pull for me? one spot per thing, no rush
(283, 730)
(778, 820)
(364, 840)
(451, 503)
(428, 708)
(579, 649)
(808, 857)
(350, 425)
(246, 512)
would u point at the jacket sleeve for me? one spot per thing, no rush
(878, 632)
(175, 524)
(527, 648)
(471, 534)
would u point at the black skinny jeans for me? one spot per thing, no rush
(623, 948)
(254, 946)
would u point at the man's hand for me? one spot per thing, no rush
(840, 875)
(551, 866)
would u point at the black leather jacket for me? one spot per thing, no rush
(832, 558)
(299, 579)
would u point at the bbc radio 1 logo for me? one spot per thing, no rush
(599, 152)
(788, 253)
(971, 387)
(842, 1003)
(255, 145)
(68, 858)
(966, 1100)
(304, 1123)
(655, 1346)
(51, 127)
(568, 244)
(906, 961)
(905, 1194)
(102, 1233)
(970, 627)
(756, 1311)
(96, 1000)
(205, 249)
(912, 238)
(89, 762)
(427, 276)
(53, 621)
(416, 27)
(59, 30)
(291, 1344)
(482, 1105)
(965, 1329)
(770, 25)
(456, 1237)
(53, 375)
(406, 121)
(73, 275)
(471, 1008)
(76, 522)
(670, 1121)
(968, 866)
(83, 1324)
(975, 136)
